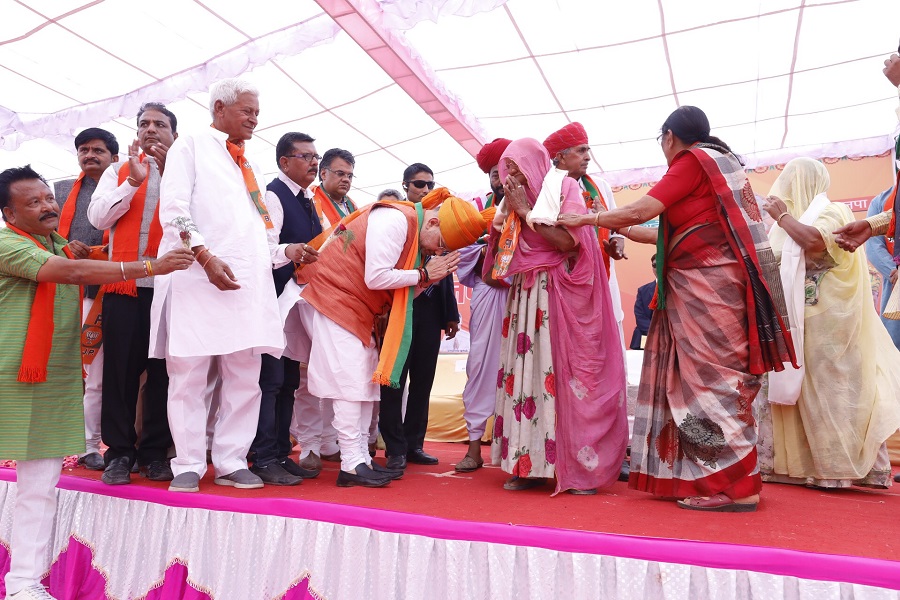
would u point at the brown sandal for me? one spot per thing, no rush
(468, 464)
(517, 484)
(716, 503)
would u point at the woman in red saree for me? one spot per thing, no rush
(560, 409)
(716, 326)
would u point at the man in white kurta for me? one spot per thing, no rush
(223, 310)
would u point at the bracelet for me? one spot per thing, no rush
(132, 181)
(203, 266)
(149, 267)
(199, 254)
(421, 272)
(425, 273)
(146, 272)
(628, 231)
(122, 267)
(597, 220)
(781, 216)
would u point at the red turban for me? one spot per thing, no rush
(489, 155)
(571, 135)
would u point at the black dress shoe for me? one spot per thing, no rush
(364, 477)
(158, 470)
(897, 477)
(92, 461)
(293, 468)
(387, 472)
(274, 474)
(419, 457)
(117, 472)
(395, 463)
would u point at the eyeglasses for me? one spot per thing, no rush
(442, 248)
(421, 183)
(340, 174)
(307, 156)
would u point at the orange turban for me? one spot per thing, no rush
(489, 155)
(435, 197)
(461, 223)
(571, 135)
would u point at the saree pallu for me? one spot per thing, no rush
(694, 432)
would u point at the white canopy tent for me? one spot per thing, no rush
(402, 81)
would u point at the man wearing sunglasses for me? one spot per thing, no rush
(435, 309)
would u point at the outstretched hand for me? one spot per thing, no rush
(573, 220)
(852, 236)
(174, 260)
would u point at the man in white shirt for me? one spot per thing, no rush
(223, 310)
(125, 202)
(368, 271)
(293, 213)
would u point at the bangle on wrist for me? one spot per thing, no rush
(132, 181)
(122, 267)
(146, 272)
(781, 216)
(425, 273)
(149, 266)
(597, 220)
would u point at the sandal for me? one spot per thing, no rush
(468, 464)
(586, 492)
(517, 484)
(716, 503)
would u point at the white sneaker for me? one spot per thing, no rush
(34, 592)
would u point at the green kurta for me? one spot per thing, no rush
(38, 420)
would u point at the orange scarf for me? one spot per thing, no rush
(128, 232)
(39, 338)
(889, 204)
(68, 211)
(326, 207)
(591, 194)
(237, 153)
(506, 247)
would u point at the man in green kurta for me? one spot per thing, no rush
(41, 413)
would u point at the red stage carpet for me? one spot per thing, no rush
(856, 522)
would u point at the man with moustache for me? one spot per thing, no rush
(223, 311)
(126, 202)
(336, 178)
(313, 416)
(485, 321)
(433, 310)
(96, 149)
(41, 413)
(296, 222)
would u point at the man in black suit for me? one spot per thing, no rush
(435, 309)
(642, 311)
(279, 378)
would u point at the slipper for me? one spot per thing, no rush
(716, 503)
(517, 484)
(587, 492)
(468, 464)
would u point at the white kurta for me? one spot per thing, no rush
(190, 316)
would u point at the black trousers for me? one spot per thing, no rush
(126, 343)
(405, 434)
(279, 378)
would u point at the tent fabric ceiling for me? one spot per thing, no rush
(778, 78)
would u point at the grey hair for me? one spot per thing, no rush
(227, 91)
(390, 192)
(561, 153)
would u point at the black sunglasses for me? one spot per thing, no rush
(421, 183)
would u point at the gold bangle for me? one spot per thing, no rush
(781, 216)
(597, 220)
(132, 181)
(149, 268)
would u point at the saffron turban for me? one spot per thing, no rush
(571, 135)
(435, 197)
(461, 223)
(490, 153)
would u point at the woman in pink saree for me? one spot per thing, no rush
(560, 408)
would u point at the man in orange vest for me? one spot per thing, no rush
(97, 149)
(126, 202)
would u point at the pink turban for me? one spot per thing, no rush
(489, 155)
(571, 135)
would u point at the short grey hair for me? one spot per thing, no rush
(390, 192)
(227, 91)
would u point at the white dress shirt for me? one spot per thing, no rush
(190, 316)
